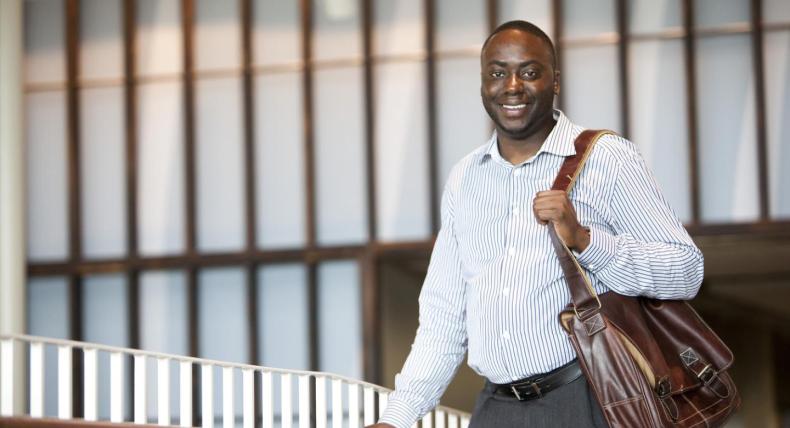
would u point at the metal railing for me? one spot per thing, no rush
(319, 399)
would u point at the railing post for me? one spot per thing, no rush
(383, 400)
(207, 390)
(140, 380)
(286, 407)
(353, 405)
(228, 412)
(7, 376)
(427, 420)
(440, 419)
(337, 403)
(64, 382)
(90, 394)
(320, 402)
(370, 406)
(116, 387)
(452, 420)
(185, 393)
(163, 391)
(267, 400)
(248, 397)
(304, 401)
(36, 379)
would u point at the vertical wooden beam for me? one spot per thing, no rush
(758, 65)
(492, 14)
(309, 168)
(691, 107)
(431, 94)
(558, 34)
(130, 124)
(621, 7)
(72, 26)
(248, 86)
(190, 232)
(371, 345)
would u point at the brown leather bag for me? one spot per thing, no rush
(651, 363)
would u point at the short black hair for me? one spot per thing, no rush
(526, 27)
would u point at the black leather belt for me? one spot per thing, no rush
(536, 386)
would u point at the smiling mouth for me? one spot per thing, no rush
(513, 107)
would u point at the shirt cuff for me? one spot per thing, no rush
(600, 251)
(399, 414)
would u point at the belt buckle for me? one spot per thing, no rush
(535, 388)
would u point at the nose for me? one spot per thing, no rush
(514, 85)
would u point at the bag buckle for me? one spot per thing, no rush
(707, 375)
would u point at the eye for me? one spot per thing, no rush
(530, 74)
(497, 73)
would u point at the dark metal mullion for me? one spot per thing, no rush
(691, 108)
(758, 63)
(309, 169)
(249, 178)
(433, 132)
(130, 112)
(72, 26)
(492, 13)
(190, 232)
(371, 320)
(557, 19)
(622, 56)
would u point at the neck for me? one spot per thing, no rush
(518, 148)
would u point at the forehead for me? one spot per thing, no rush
(516, 45)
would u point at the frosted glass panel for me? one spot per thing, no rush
(283, 317)
(279, 155)
(645, 16)
(48, 307)
(101, 39)
(401, 152)
(398, 27)
(45, 58)
(776, 11)
(220, 166)
(217, 35)
(463, 123)
(337, 29)
(103, 170)
(340, 153)
(590, 82)
(340, 319)
(163, 312)
(105, 317)
(710, 13)
(276, 33)
(727, 129)
(537, 12)
(461, 24)
(47, 184)
(159, 41)
(658, 117)
(584, 18)
(160, 189)
(222, 323)
(777, 91)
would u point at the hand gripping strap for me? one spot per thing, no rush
(585, 300)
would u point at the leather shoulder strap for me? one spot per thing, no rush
(585, 300)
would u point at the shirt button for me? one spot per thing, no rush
(506, 335)
(517, 171)
(516, 211)
(511, 251)
(506, 291)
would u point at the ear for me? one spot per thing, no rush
(556, 82)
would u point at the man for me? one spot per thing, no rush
(494, 285)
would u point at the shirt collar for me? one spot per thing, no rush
(556, 143)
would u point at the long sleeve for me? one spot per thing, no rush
(440, 342)
(650, 253)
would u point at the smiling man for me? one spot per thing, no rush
(494, 287)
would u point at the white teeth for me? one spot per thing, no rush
(513, 107)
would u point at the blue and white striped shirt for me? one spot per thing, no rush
(494, 286)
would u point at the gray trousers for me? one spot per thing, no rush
(569, 406)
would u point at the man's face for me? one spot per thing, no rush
(518, 82)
